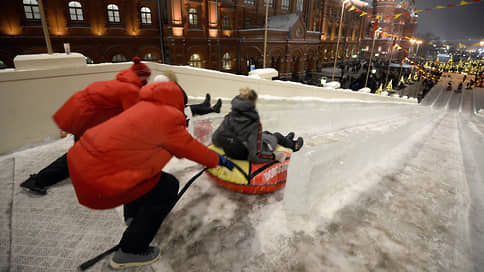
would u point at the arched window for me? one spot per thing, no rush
(150, 57)
(31, 9)
(75, 11)
(146, 16)
(227, 61)
(300, 5)
(113, 13)
(193, 16)
(285, 4)
(119, 58)
(270, 3)
(195, 61)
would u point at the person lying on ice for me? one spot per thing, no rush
(97, 103)
(120, 162)
(241, 137)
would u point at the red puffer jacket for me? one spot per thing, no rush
(99, 102)
(121, 159)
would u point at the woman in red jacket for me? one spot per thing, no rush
(87, 108)
(120, 162)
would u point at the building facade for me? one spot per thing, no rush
(403, 26)
(226, 35)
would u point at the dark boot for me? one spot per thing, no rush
(298, 144)
(122, 259)
(216, 108)
(290, 136)
(33, 186)
(206, 102)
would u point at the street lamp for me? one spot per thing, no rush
(482, 43)
(418, 42)
(339, 36)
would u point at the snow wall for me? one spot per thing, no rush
(29, 97)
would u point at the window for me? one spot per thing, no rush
(247, 22)
(270, 3)
(300, 5)
(195, 61)
(119, 58)
(192, 17)
(75, 11)
(146, 16)
(226, 22)
(31, 8)
(113, 13)
(227, 61)
(285, 4)
(249, 2)
(150, 57)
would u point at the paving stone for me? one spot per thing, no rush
(6, 196)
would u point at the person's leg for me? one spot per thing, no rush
(54, 173)
(200, 109)
(152, 208)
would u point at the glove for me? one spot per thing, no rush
(280, 156)
(222, 161)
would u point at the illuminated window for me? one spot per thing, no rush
(146, 16)
(119, 58)
(285, 4)
(150, 57)
(113, 13)
(195, 61)
(299, 5)
(249, 2)
(193, 17)
(31, 8)
(227, 61)
(75, 11)
(270, 3)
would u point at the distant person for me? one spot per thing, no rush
(241, 136)
(85, 109)
(120, 162)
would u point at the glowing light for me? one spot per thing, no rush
(212, 32)
(227, 33)
(177, 31)
(413, 41)
(419, 42)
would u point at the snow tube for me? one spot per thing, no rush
(251, 178)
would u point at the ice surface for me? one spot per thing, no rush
(377, 187)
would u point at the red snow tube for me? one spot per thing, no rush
(251, 178)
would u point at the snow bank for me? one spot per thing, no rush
(364, 90)
(333, 84)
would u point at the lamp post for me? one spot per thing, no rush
(44, 27)
(339, 36)
(371, 56)
(418, 42)
(265, 32)
(390, 62)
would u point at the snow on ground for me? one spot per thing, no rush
(381, 187)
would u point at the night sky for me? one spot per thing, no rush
(453, 24)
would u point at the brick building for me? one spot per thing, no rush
(226, 35)
(405, 25)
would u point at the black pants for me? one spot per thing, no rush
(200, 109)
(281, 140)
(55, 172)
(148, 212)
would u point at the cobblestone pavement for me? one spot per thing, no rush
(6, 182)
(53, 232)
